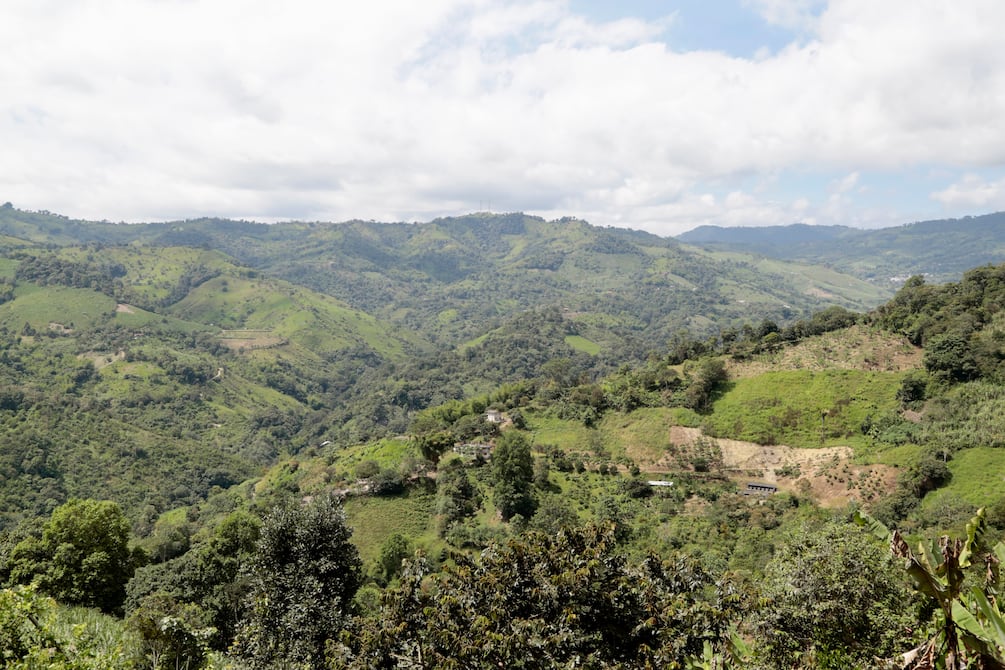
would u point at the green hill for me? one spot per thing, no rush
(941, 250)
(451, 279)
(221, 372)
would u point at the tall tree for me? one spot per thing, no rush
(82, 557)
(513, 470)
(457, 497)
(304, 575)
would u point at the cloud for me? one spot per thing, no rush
(973, 192)
(798, 15)
(845, 184)
(153, 109)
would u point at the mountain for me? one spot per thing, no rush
(941, 250)
(758, 238)
(151, 374)
(452, 279)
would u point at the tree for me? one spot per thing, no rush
(548, 601)
(175, 635)
(513, 470)
(950, 357)
(457, 497)
(82, 558)
(706, 376)
(395, 549)
(304, 575)
(432, 445)
(913, 387)
(210, 574)
(834, 600)
(554, 514)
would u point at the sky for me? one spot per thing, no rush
(647, 114)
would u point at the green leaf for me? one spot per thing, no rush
(928, 582)
(996, 623)
(999, 551)
(973, 634)
(874, 525)
(930, 557)
(974, 531)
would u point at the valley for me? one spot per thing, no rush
(217, 385)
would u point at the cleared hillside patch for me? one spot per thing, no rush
(642, 435)
(855, 348)
(569, 435)
(978, 478)
(374, 519)
(803, 408)
(67, 307)
(580, 343)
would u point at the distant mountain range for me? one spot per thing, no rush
(941, 250)
(453, 279)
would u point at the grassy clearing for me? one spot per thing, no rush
(822, 281)
(642, 435)
(41, 306)
(447, 316)
(978, 478)
(374, 519)
(571, 436)
(134, 317)
(153, 274)
(801, 408)
(812, 280)
(899, 456)
(388, 453)
(312, 321)
(582, 344)
(8, 267)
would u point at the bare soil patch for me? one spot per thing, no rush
(825, 474)
(818, 293)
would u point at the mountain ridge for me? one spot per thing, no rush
(940, 249)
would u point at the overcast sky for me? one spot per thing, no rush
(654, 115)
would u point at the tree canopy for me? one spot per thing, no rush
(82, 557)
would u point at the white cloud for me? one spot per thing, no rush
(973, 192)
(793, 14)
(845, 184)
(144, 109)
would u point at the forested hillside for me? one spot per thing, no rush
(220, 453)
(939, 250)
(451, 279)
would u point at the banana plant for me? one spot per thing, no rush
(736, 655)
(969, 631)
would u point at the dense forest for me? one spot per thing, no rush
(208, 463)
